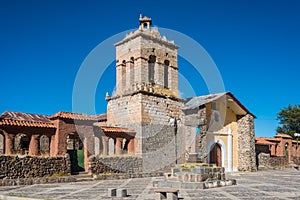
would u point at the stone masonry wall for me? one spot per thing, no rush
(196, 143)
(15, 167)
(122, 164)
(246, 143)
(149, 115)
(296, 160)
(266, 161)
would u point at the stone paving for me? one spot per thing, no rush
(273, 184)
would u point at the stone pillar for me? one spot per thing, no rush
(118, 146)
(128, 77)
(123, 74)
(111, 146)
(52, 146)
(105, 145)
(34, 145)
(118, 79)
(131, 75)
(131, 146)
(97, 146)
(9, 144)
(229, 143)
(246, 143)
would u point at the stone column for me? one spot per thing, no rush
(229, 143)
(34, 145)
(52, 146)
(123, 74)
(111, 146)
(105, 145)
(119, 144)
(9, 144)
(97, 146)
(131, 146)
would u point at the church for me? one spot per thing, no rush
(146, 118)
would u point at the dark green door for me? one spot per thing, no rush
(80, 159)
(75, 150)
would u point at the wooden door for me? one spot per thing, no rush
(216, 155)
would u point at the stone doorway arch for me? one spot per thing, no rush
(216, 155)
(2, 143)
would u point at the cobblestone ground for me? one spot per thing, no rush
(273, 184)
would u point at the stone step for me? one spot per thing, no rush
(83, 176)
(84, 179)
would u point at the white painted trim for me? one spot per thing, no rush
(223, 150)
(229, 143)
(235, 169)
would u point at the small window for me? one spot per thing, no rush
(151, 63)
(214, 105)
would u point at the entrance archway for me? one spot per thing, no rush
(44, 145)
(2, 143)
(76, 151)
(216, 155)
(22, 143)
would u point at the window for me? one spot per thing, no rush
(151, 63)
(166, 73)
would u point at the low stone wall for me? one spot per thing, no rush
(278, 161)
(19, 167)
(121, 164)
(126, 176)
(296, 160)
(266, 161)
(31, 181)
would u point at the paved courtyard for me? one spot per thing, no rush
(274, 184)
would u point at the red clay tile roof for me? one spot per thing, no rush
(25, 119)
(262, 141)
(71, 115)
(281, 135)
(100, 117)
(110, 129)
(273, 139)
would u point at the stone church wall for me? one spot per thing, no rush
(149, 115)
(246, 143)
(197, 149)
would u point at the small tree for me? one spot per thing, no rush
(289, 120)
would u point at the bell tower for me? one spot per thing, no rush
(146, 94)
(146, 61)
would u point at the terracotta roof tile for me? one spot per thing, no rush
(74, 116)
(111, 129)
(100, 117)
(281, 135)
(262, 141)
(25, 119)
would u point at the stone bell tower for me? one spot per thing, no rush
(146, 60)
(146, 94)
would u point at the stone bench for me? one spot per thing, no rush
(120, 192)
(166, 193)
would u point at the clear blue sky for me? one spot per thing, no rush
(255, 45)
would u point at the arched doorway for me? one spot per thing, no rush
(76, 151)
(216, 155)
(2, 143)
(21, 143)
(44, 145)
